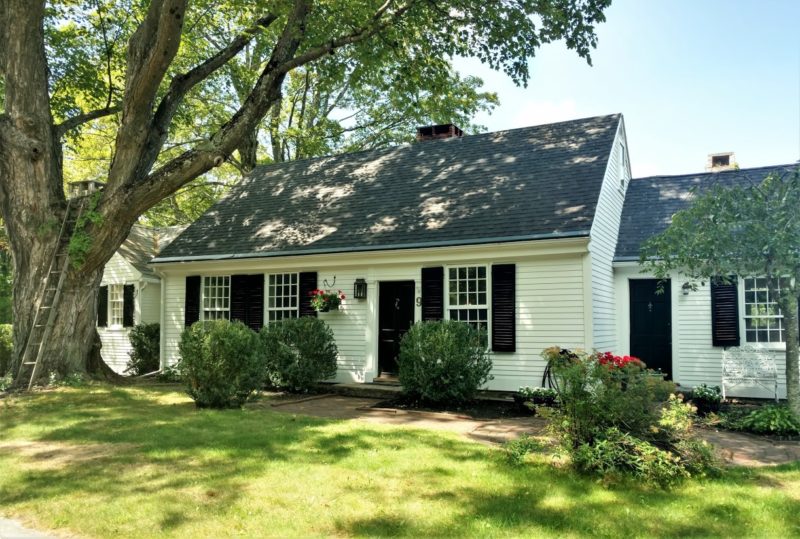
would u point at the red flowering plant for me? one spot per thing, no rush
(325, 300)
(610, 360)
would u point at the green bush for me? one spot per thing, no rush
(770, 419)
(707, 399)
(6, 348)
(596, 395)
(5, 381)
(298, 353)
(145, 341)
(221, 363)
(443, 362)
(618, 418)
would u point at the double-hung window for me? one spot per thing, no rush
(116, 301)
(467, 296)
(763, 320)
(282, 296)
(217, 297)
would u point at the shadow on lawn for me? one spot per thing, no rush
(162, 448)
(180, 458)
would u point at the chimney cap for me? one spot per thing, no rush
(717, 162)
(431, 132)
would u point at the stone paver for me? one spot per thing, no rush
(360, 408)
(11, 529)
(735, 448)
(746, 450)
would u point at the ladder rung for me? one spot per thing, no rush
(29, 363)
(39, 325)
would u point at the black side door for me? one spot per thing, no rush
(395, 317)
(651, 324)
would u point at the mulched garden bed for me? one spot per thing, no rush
(477, 409)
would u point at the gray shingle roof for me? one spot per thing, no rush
(651, 202)
(143, 243)
(540, 181)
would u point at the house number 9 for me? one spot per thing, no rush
(419, 301)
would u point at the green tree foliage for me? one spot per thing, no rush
(750, 230)
(139, 95)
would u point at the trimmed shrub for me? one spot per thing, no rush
(443, 362)
(298, 353)
(221, 363)
(6, 348)
(144, 358)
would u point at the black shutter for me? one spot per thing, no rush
(102, 307)
(724, 312)
(307, 282)
(504, 327)
(191, 306)
(127, 305)
(432, 293)
(247, 300)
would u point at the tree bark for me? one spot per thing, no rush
(32, 201)
(790, 319)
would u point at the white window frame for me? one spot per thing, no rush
(743, 321)
(272, 309)
(219, 301)
(116, 305)
(487, 306)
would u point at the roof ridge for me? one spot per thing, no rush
(708, 172)
(404, 145)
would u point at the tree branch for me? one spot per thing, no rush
(182, 84)
(80, 119)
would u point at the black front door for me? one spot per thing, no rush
(651, 324)
(395, 316)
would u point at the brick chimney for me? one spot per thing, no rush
(431, 132)
(717, 162)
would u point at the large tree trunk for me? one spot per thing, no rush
(74, 338)
(790, 314)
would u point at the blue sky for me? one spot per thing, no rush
(691, 77)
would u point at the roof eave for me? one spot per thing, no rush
(367, 248)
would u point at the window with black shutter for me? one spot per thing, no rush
(102, 307)
(191, 304)
(247, 300)
(432, 293)
(724, 312)
(308, 283)
(128, 305)
(504, 330)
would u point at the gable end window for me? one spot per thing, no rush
(282, 296)
(467, 296)
(217, 297)
(763, 320)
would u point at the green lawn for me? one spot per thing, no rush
(139, 462)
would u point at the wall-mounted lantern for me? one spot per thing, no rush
(686, 288)
(360, 289)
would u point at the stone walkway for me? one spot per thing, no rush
(736, 448)
(11, 529)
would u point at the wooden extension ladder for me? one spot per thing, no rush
(45, 316)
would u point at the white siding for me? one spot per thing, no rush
(148, 301)
(551, 306)
(694, 360)
(116, 346)
(604, 232)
